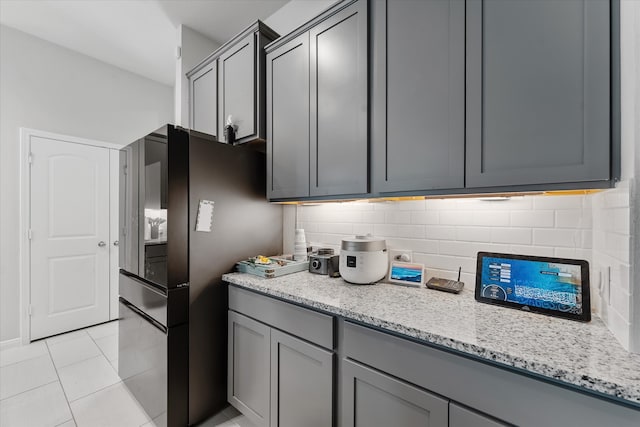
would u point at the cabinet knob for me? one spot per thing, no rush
(116, 243)
(102, 244)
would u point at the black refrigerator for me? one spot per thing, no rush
(190, 208)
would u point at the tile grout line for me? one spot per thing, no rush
(73, 417)
(102, 352)
(97, 391)
(31, 389)
(24, 360)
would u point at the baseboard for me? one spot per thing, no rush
(15, 342)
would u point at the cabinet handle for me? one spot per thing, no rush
(116, 243)
(102, 244)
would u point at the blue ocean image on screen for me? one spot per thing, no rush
(406, 273)
(533, 283)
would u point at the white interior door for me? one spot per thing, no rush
(70, 241)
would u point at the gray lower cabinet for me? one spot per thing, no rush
(288, 119)
(538, 92)
(248, 368)
(460, 416)
(280, 362)
(417, 107)
(203, 99)
(301, 383)
(373, 399)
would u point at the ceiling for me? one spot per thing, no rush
(136, 35)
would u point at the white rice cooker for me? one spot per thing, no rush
(363, 260)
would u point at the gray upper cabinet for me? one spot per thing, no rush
(339, 103)
(248, 368)
(373, 399)
(317, 110)
(238, 92)
(417, 86)
(203, 95)
(538, 92)
(288, 119)
(233, 86)
(301, 383)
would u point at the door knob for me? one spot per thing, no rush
(102, 244)
(116, 243)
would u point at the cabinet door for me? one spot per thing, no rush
(238, 94)
(371, 399)
(248, 368)
(537, 92)
(288, 120)
(339, 146)
(417, 94)
(301, 383)
(203, 99)
(463, 417)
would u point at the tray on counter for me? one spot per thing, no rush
(274, 269)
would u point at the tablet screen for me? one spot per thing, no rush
(550, 285)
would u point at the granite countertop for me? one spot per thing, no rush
(583, 355)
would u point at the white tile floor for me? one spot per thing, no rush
(72, 380)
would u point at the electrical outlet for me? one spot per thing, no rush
(403, 255)
(604, 285)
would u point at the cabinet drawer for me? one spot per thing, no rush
(500, 392)
(460, 416)
(306, 324)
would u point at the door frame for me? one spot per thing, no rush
(25, 216)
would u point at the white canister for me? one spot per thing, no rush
(363, 260)
(300, 246)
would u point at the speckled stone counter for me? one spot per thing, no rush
(583, 355)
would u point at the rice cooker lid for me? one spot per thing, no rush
(366, 243)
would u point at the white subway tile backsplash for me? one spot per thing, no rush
(440, 232)
(491, 218)
(373, 217)
(445, 234)
(397, 217)
(557, 202)
(426, 217)
(456, 217)
(557, 237)
(416, 245)
(618, 246)
(335, 228)
(618, 198)
(363, 229)
(619, 220)
(532, 218)
(570, 218)
(393, 230)
(491, 247)
(473, 234)
(587, 239)
(572, 253)
(456, 248)
(440, 204)
(445, 262)
(412, 205)
(619, 326)
(532, 250)
(520, 236)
